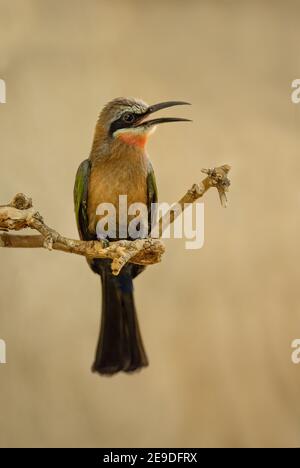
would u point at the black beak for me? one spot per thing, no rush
(157, 107)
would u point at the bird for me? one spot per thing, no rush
(118, 164)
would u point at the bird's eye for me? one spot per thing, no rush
(128, 117)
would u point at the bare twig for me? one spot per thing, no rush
(20, 214)
(216, 177)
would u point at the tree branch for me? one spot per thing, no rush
(20, 214)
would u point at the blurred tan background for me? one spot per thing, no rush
(218, 322)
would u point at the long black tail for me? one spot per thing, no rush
(120, 346)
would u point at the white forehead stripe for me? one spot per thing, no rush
(136, 130)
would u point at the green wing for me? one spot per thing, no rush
(81, 197)
(152, 194)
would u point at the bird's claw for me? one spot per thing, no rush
(104, 243)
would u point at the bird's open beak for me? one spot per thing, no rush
(157, 107)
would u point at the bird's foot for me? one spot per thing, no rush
(104, 243)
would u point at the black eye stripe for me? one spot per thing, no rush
(121, 123)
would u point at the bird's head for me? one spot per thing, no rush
(126, 120)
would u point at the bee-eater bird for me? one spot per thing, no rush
(118, 165)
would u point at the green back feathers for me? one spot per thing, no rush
(81, 198)
(152, 193)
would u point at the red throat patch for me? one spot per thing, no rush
(134, 139)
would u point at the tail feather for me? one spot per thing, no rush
(120, 346)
